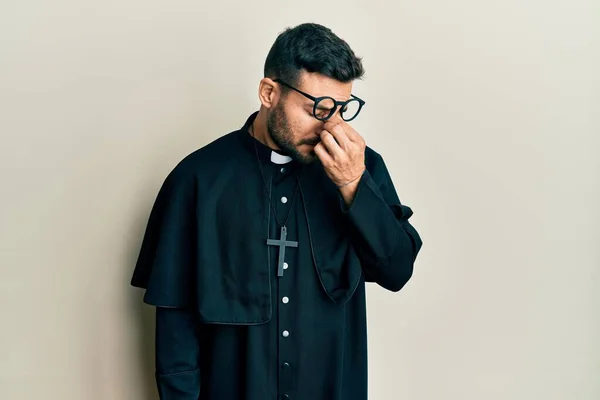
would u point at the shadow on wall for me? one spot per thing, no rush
(143, 325)
(142, 317)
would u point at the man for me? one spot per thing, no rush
(259, 244)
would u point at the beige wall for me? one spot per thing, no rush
(486, 112)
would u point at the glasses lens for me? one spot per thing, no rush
(350, 110)
(324, 108)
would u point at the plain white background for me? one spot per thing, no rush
(486, 112)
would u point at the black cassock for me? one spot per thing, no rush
(228, 327)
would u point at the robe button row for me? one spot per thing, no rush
(284, 199)
(285, 334)
(285, 300)
(285, 397)
(285, 265)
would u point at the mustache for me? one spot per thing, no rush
(311, 142)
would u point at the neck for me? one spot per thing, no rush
(259, 129)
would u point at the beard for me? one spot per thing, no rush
(280, 130)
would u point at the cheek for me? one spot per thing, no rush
(309, 125)
(308, 129)
(302, 124)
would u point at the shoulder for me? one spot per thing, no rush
(375, 164)
(205, 160)
(201, 165)
(372, 157)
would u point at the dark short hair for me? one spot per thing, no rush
(313, 48)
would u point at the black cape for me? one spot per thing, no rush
(227, 326)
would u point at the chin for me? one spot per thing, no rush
(305, 157)
(309, 158)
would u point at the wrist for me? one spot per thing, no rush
(343, 185)
(349, 189)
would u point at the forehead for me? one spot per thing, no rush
(320, 85)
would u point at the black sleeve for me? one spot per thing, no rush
(385, 241)
(177, 354)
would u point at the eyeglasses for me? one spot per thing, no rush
(325, 107)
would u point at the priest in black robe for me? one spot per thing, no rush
(259, 244)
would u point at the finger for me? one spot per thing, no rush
(339, 134)
(321, 152)
(353, 135)
(331, 145)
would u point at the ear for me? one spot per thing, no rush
(268, 92)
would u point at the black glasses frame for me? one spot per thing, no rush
(336, 103)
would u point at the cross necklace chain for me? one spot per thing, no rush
(282, 242)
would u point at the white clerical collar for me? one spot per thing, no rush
(277, 158)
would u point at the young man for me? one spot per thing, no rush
(259, 244)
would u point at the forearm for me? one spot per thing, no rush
(384, 240)
(394, 271)
(177, 354)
